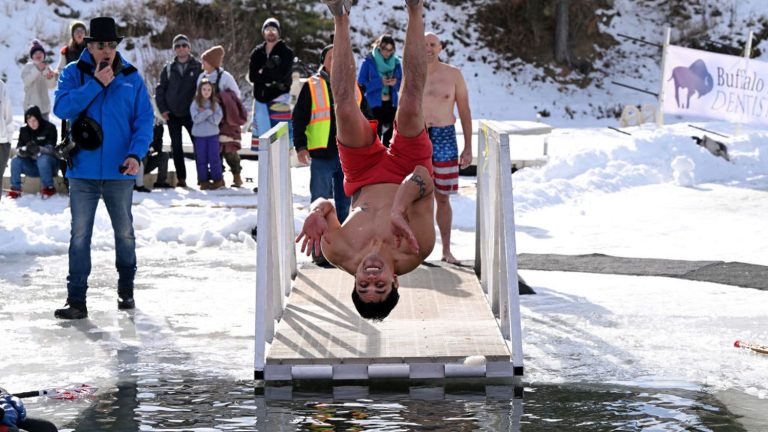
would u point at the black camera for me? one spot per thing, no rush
(66, 150)
(30, 151)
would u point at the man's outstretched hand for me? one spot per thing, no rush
(402, 232)
(312, 232)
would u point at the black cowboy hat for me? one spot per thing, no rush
(103, 29)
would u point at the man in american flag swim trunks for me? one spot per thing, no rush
(445, 90)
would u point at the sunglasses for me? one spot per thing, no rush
(180, 46)
(103, 45)
(386, 49)
(79, 31)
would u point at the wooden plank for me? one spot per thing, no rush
(442, 317)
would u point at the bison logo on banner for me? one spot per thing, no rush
(726, 87)
(694, 79)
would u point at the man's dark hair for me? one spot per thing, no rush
(375, 311)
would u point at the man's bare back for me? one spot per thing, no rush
(369, 224)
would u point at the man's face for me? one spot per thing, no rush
(271, 34)
(433, 47)
(102, 51)
(32, 122)
(374, 279)
(182, 51)
(38, 56)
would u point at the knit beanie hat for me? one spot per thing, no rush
(270, 22)
(214, 56)
(36, 46)
(74, 25)
(180, 39)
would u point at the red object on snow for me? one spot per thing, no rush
(761, 349)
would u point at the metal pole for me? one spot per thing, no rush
(660, 109)
(747, 55)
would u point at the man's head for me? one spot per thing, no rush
(181, 47)
(102, 40)
(326, 58)
(77, 31)
(36, 51)
(212, 58)
(271, 30)
(33, 117)
(434, 47)
(386, 45)
(375, 291)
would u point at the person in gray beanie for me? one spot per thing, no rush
(174, 94)
(269, 71)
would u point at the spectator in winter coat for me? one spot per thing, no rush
(35, 157)
(6, 129)
(223, 83)
(206, 115)
(230, 137)
(109, 91)
(174, 93)
(213, 71)
(269, 71)
(38, 78)
(381, 75)
(75, 47)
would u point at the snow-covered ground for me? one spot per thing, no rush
(652, 194)
(600, 192)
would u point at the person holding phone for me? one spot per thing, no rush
(38, 78)
(381, 75)
(106, 93)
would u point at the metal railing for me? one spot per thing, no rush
(495, 253)
(275, 251)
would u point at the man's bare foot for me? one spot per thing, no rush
(339, 7)
(450, 259)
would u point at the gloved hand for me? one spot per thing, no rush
(30, 150)
(14, 411)
(272, 62)
(48, 149)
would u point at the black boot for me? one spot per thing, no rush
(75, 310)
(125, 299)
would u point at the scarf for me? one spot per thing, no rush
(385, 67)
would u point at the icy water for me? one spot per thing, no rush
(150, 403)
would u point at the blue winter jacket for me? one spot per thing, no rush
(370, 79)
(122, 109)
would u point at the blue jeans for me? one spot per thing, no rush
(83, 199)
(43, 167)
(327, 181)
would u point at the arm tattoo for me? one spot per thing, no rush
(420, 183)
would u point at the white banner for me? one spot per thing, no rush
(718, 86)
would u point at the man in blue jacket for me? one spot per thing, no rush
(109, 93)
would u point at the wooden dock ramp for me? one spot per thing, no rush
(442, 327)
